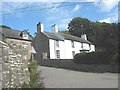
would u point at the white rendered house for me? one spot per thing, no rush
(54, 45)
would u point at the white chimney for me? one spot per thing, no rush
(84, 36)
(54, 28)
(40, 27)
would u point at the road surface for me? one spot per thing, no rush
(62, 78)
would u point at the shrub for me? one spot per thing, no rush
(98, 57)
(35, 78)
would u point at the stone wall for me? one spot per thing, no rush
(69, 64)
(0, 62)
(41, 45)
(15, 56)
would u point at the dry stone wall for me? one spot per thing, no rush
(15, 60)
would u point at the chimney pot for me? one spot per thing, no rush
(40, 27)
(54, 28)
(84, 36)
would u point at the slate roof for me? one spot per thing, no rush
(10, 33)
(75, 38)
(55, 36)
(62, 37)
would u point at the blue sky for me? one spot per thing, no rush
(25, 15)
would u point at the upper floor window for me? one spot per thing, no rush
(89, 46)
(72, 42)
(82, 45)
(73, 53)
(57, 43)
(58, 54)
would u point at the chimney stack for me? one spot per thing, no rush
(40, 27)
(84, 36)
(54, 28)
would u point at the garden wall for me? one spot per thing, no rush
(14, 63)
(69, 64)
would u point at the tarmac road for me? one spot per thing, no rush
(63, 78)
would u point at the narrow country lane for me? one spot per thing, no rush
(62, 78)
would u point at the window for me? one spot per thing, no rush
(82, 45)
(45, 55)
(25, 36)
(90, 46)
(73, 53)
(58, 54)
(72, 44)
(57, 43)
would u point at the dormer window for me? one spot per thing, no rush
(25, 36)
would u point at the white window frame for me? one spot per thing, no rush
(25, 36)
(82, 45)
(57, 43)
(72, 44)
(58, 54)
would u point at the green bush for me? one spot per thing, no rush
(98, 57)
(36, 81)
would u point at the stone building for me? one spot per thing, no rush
(15, 53)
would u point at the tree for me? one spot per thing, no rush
(64, 32)
(103, 35)
(78, 26)
(4, 26)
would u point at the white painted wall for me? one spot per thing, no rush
(86, 46)
(66, 48)
(62, 49)
(92, 48)
(77, 47)
(52, 49)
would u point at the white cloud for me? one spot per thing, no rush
(18, 8)
(107, 20)
(113, 18)
(63, 23)
(76, 8)
(48, 1)
(12, 7)
(106, 5)
(62, 26)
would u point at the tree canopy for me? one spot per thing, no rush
(4, 26)
(103, 35)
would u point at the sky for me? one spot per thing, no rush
(25, 14)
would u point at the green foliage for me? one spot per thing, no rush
(35, 78)
(103, 35)
(64, 32)
(78, 26)
(32, 67)
(25, 85)
(92, 58)
(4, 26)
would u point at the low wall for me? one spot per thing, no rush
(69, 64)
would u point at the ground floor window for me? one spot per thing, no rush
(58, 54)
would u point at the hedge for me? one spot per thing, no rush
(93, 58)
